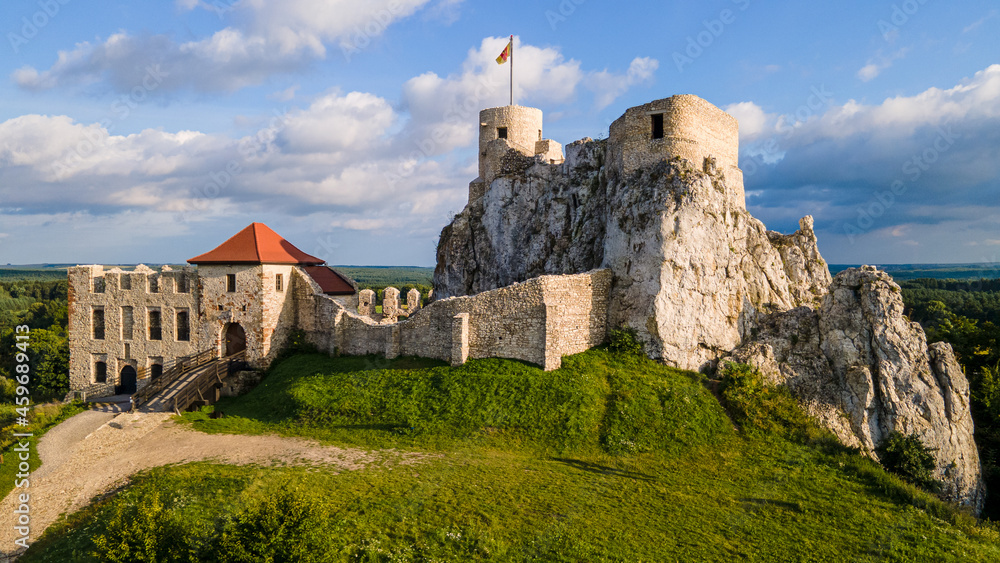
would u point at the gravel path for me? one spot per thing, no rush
(95, 452)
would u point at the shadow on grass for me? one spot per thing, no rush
(603, 469)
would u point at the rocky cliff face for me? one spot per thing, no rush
(694, 271)
(862, 368)
(700, 279)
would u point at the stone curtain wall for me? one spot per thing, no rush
(576, 313)
(537, 321)
(85, 350)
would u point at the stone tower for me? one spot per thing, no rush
(508, 128)
(684, 126)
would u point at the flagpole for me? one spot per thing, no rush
(511, 70)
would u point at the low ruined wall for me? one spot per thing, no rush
(537, 321)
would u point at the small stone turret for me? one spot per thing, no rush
(510, 127)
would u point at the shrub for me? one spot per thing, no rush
(296, 345)
(625, 341)
(142, 529)
(906, 456)
(768, 409)
(284, 526)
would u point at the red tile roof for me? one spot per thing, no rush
(257, 244)
(331, 282)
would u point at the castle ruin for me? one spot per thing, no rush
(646, 230)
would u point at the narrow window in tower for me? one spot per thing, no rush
(230, 282)
(658, 126)
(501, 132)
(127, 323)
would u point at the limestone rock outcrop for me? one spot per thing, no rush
(864, 370)
(661, 205)
(693, 269)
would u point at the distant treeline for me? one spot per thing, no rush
(903, 272)
(40, 305)
(974, 299)
(30, 275)
(400, 277)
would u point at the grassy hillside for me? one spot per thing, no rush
(610, 458)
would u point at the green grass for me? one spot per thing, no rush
(610, 458)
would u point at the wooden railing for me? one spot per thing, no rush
(206, 386)
(171, 373)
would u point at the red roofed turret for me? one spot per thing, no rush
(257, 244)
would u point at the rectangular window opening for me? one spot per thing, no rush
(279, 283)
(182, 284)
(98, 285)
(98, 323)
(127, 323)
(501, 132)
(126, 281)
(155, 326)
(154, 284)
(100, 372)
(231, 283)
(658, 126)
(183, 327)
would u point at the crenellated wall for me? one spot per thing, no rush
(537, 321)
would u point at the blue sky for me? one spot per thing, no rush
(132, 132)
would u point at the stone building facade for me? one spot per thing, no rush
(124, 327)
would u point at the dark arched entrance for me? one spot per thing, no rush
(126, 381)
(236, 339)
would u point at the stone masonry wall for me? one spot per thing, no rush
(220, 307)
(537, 321)
(524, 129)
(278, 311)
(142, 352)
